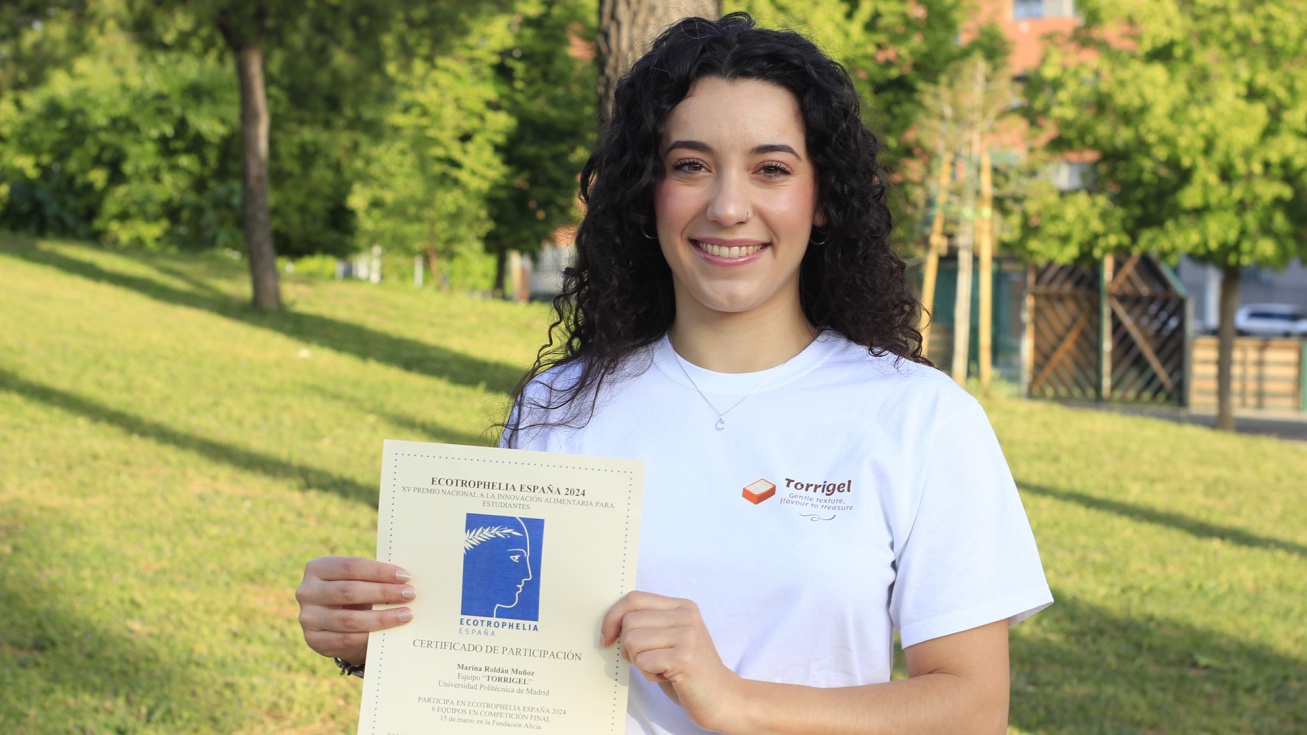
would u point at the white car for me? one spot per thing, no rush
(1271, 320)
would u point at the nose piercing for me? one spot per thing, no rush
(747, 216)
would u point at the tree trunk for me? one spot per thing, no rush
(967, 232)
(501, 273)
(255, 218)
(1106, 273)
(1230, 274)
(985, 255)
(930, 274)
(433, 265)
(962, 306)
(627, 28)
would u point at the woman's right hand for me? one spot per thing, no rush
(336, 599)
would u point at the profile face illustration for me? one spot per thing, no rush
(501, 566)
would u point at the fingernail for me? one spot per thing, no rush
(402, 576)
(405, 615)
(408, 593)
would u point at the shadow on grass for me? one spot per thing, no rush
(68, 671)
(325, 332)
(66, 668)
(419, 430)
(111, 660)
(431, 431)
(1199, 529)
(309, 477)
(1080, 668)
(187, 277)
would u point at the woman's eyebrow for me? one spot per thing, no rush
(775, 148)
(700, 146)
(693, 145)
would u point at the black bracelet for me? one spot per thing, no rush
(349, 668)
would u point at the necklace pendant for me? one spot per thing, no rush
(721, 423)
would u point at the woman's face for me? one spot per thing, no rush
(505, 565)
(738, 199)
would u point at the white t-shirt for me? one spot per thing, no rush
(892, 508)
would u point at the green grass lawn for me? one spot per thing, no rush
(169, 459)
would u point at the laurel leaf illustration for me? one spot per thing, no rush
(485, 533)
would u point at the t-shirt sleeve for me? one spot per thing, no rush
(522, 430)
(533, 421)
(969, 558)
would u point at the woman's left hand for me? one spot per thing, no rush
(666, 640)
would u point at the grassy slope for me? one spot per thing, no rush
(1179, 560)
(169, 459)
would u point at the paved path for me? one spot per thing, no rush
(1281, 424)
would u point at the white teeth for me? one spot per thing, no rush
(728, 252)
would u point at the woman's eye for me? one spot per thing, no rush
(689, 165)
(775, 170)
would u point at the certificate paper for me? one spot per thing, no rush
(515, 555)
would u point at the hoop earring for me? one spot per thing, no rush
(647, 236)
(819, 243)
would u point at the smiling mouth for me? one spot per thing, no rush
(727, 251)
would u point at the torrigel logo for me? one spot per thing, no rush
(758, 491)
(824, 499)
(824, 488)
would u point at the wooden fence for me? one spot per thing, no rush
(1111, 332)
(1268, 373)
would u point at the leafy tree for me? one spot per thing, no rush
(964, 116)
(39, 35)
(410, 130)
(1198, 112)
(426, 176)
(133, 138)
(244, 27)
(124, 147)
(548, 82)
(336, 45)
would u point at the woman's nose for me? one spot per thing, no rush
(729, 205)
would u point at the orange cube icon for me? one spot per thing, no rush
(759, 491)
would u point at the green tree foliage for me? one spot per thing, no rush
(548, 88)
(39, 35)
(425, 178)
(433, 127)
(428, 128)
(130, 148)
(1198, 111)
(136, 144)
(250, 32)
(132, 137)
(480, 150)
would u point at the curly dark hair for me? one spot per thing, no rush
(618, 296)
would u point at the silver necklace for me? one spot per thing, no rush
(721, 415)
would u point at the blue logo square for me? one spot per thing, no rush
(501, 566)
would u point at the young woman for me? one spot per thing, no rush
(737, 319)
